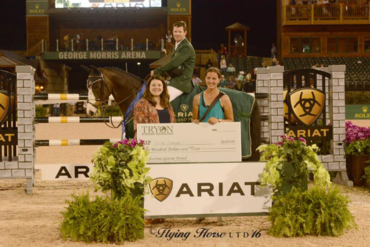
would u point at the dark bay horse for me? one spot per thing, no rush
(124, 87)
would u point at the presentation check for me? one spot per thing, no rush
(188, 142)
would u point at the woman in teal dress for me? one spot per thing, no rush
(222, 111)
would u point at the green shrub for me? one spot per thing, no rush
(357, 97)
(358, 147)
(317, 211)
(40, 111)
(103, 219)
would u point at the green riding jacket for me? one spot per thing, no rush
(184, 55)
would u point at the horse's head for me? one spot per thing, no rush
(98, 87)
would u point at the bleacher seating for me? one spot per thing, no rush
(357, 68)
(246, 64)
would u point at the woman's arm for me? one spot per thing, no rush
(196, 101)
(228, 109)
(172, 114)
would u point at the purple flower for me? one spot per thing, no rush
(354, 133)
(302, 139)
(280, 143)
(291, 139)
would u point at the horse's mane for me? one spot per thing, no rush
(124, 72)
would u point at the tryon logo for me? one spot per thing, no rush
(161, 188)
(307, 104)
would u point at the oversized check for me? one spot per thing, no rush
(188, 142)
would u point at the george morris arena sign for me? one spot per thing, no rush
(92, 55)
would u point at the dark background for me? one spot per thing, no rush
(210, 17)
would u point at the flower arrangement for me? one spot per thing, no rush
(320, 209)
(121, 168)
(302, 158)
(357, 140)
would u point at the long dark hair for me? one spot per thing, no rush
(165, 97)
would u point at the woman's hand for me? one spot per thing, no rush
(196, 121)
(212, 120)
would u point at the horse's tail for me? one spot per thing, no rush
(255, 132)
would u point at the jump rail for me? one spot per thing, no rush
(73, 142)
(85, 96)
(63, 97)
(77, 120)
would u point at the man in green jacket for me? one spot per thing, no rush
(183, 56)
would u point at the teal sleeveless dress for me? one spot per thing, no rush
(216, 111)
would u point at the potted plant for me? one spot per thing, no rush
(288, 164)
(297, 210)
(121, 168)
(357, 147)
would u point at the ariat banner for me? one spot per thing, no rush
(207, 189)
(307, 104)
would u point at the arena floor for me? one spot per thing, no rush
(35, 220)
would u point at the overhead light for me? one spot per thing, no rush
(138, 63)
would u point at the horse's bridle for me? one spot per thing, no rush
(101, 78)
(104, 103)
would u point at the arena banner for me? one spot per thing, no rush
(358, 112)
(188, 142)
(108, 3)
(99, 55)
(206, 190)
(65, 171)
(36, 7)
(178, 7)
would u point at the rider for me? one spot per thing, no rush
(183, 58)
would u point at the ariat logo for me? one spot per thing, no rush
(365, 109)
(4, 106)
(184, 107)
(161, 188)
(178, 4)
(37, 6)
(307, 104)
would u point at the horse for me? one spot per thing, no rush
(125, 86)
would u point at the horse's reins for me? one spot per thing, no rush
(103, 102)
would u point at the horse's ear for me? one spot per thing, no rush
(87, 69)
(94, 68)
